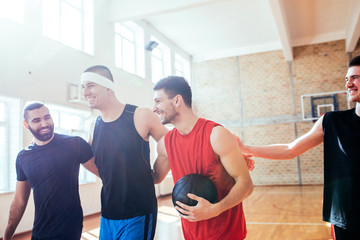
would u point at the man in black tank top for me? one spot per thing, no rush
(340, 133)
(120, 142)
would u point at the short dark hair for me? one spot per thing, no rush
(102, 70)
(354, 62)
(31, 106)
(174, 85)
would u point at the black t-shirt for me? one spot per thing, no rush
(123, 159)
(52, 171)
(342, 169)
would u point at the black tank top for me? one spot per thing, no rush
(123, 159)
(342, 169)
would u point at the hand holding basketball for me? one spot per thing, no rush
(201, 211)
(193, 195)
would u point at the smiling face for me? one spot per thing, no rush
(94, 94)
(164, 107)
(352, 83)
(40, 124)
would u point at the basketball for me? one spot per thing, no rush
(196, 184)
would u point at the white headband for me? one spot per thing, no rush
(98, 79)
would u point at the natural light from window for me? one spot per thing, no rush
(129, 48)
(160, 61)
(13, 10)
(2, 112)
(10, 141)
(70, 22)
(182, 67)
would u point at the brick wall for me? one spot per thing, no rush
(257, 97)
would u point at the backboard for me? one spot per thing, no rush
(315, 105)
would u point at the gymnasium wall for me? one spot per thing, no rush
(257, 97)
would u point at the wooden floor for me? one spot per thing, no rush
(271, 212)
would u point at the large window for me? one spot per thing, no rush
(160, 61)
(10, 141)
(74, 122)
(13, 10)
(129, 48)
(70, 22)
(182, 67)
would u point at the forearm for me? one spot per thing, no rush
(16, 212)
(157, 179)
(290, 150)
(160, 169)
(91, 166)
(242, 188)
(275, 151)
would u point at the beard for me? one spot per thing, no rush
(168, 117)
(42, 136)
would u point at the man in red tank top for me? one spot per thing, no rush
(204, 147)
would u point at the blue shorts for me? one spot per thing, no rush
(137, 228)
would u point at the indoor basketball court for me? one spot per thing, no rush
(266, 70)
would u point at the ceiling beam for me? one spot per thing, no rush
(277, 8)
(353, 27)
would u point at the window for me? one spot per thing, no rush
(70, 22)
(160, 60)
(182, 67)
(129, 48)
(74, 122)
(13, 10)
(10, 141)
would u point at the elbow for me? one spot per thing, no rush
(250, 188)
(155, 177)
(156, 181)
(292, 151)
(247, 186)
(290, 154)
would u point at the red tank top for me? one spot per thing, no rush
(192, 153)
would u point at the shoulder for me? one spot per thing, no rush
(208, 122)
(211, 127)
(219, 132)
(335, 114)
(21, 154)
(145, 115)
(171, 132)
(220, 136)
(144, 111)
(64, 137)
(222, 140)
(69, 140)
(130, 108)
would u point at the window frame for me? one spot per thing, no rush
(86, 24)
(138, 45)
(13, 142)
(165, 60)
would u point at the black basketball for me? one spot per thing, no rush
(197, 184)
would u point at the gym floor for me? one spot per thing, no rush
(271, 212)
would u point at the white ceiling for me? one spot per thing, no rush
(210, 29)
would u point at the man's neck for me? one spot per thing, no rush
(112, 111)
(186, 122)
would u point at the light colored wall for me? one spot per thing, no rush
(34, 67)
(253, 97)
